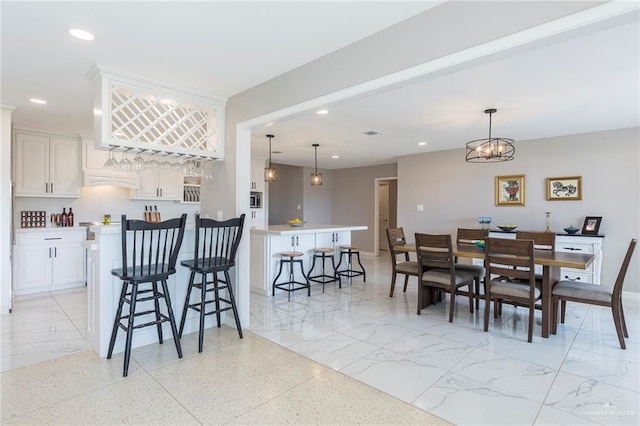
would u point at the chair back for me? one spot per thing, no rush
(150, 250)
(541, 240)
(512, 259)
(617, 287)
(217, 242)
(470, 236)
(434, 251)
(395, 237)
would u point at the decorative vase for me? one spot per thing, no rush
(548, 222)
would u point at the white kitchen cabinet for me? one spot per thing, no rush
(48, 260)
(159, 184)
(95, 174)
(333, 240)
(257, 175)
(47, 166)
(256, 218)
(302, 243)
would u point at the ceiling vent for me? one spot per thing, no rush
(372, 133)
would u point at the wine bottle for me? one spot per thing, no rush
(64, 218)
(70, 218)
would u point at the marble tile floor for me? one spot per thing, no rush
(405, 366)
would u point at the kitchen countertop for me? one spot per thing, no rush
(306, 229)
(51, 229)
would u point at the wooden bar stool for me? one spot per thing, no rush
(349, 251)
(291, 258)
(324, 253)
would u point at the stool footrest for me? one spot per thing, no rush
(286, 286)
(324, 279)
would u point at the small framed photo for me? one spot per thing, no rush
(510, 190)
(564, 188)
(591, 225)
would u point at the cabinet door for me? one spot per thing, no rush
(93, 158)
(68, 264)
(32, 165)
(257, 219)
(170, 184)
(64, 167)
(148, 185)
(303, 243)
(257, 175)
(33, 268)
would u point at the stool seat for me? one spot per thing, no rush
(323, 250)
(290, 254)
(350, 247)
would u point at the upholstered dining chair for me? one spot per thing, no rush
(407, 267)
(512, 262)
(470, 236)
(437, 269)
(601, 295)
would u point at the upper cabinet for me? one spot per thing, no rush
(257, 175)
(159, 184)
(95, 174)
(47, 166)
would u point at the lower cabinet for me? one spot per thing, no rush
(48, 260)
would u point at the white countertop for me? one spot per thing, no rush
(307, 229)
(115, 228)
(51, 229)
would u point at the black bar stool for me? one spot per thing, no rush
(215, 252)
(348, 252)
(149, 255)
(324, 253)
(292, 285)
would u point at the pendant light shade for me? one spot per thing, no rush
(490, 150)
(270, 173)
(316, 178)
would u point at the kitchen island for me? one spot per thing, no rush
(265, 244)
(103, 292)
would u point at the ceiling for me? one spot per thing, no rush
(581, 84)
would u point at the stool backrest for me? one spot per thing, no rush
(217, 242)
(151, 249)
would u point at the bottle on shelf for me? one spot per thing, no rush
(70, 217)
(64, 218)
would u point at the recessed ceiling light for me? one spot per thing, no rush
(422, 143)
(322, 111)
(335, 156)
(81, 34)
(38, 101)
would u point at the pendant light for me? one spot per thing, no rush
(270, 173)
(316, 178)
(490, 150)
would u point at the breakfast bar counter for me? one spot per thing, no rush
(267, 243)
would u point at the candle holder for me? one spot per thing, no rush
(548, 220)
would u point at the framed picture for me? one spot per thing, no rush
(591, 225)
(510, 190)
(564, 188)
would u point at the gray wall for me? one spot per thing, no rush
(353, 200)
(455, 193)
(317, 199)
(285, 194)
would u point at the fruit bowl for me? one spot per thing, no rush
(296, 223)
(479, 244)
(507, 228)
(571, 230)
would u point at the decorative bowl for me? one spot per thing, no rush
(296, 224)
(507, 228)
(571, 230)
(479, 244)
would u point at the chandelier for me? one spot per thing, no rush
(270, 173)
(316, 178)
(490, 150)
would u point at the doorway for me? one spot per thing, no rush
(386, 210)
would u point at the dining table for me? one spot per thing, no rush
(551, 262)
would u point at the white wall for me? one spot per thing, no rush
(5, 209)
(455, 193)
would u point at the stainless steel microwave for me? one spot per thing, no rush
(255, 202)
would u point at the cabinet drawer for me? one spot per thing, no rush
(50, 237)
(574, 248)
(567, 274)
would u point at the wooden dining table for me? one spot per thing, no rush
(551, 262)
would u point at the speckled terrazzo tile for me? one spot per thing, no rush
(218, 386)
(37, 386)
(136, 401)
(332, 398)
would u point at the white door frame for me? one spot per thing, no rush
(376, 212)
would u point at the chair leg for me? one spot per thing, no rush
(128, 340)
(393, 283)
(156, 304)
(532, 310)
(364, 273)
(420, 296)
(495, 308)
(275, 280)
(116, 322)
(306, 277)
(471, 298)
(233, 302)
(406, 282)
(453, 304)
(624, 323)
(555, 303)
(172, 319)
(186, 303)
(335, 272)
(487, 308)
(216, 293)
(564, 309)
(617, 320)
(203, 295)
(476, 291)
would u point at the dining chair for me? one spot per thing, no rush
(437, 269)
(470, 236)
(601, 295)
(216, 244)
(512, 262)
(149, 256)
(407, 267)
(541, 241)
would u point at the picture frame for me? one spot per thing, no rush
(510, 190)
(564, 188)
(591, 225)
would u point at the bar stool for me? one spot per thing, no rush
(291, 258)
(323, 278)
(349, 251)
(149, 255)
